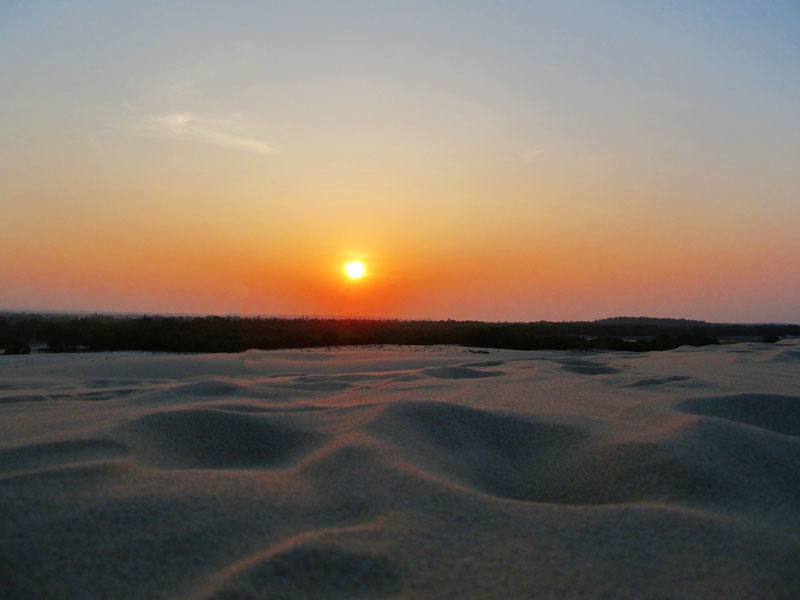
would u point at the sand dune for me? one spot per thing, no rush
(402, 472)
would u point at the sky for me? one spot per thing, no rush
(502, 161)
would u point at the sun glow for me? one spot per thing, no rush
(355, 269)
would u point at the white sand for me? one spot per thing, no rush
(414, 473)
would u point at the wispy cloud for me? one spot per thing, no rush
(532, 154)
(227, 132)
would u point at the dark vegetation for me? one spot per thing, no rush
(70, 333)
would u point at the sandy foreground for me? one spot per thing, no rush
(402, 472)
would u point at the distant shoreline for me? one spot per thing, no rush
(19, 332)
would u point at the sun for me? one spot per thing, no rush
(355, 269)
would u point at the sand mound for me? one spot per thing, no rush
(12, 398)
(458, 373)
(740, 468)
(784, 356)
(587, 367)
(36, 456)
(214, 439)
(653, 381)
(770, 411)
(308, 570)
(485, 363)
(525, 459)
(401, 472)
(496, 453)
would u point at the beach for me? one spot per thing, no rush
(406, 472)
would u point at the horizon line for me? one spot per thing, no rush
(289, 316)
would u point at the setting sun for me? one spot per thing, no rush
(355, 269)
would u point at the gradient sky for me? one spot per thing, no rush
(486, 160)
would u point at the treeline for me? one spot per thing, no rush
(66, 333)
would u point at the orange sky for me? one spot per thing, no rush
(565, 164)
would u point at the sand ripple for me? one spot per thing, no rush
(407, 473)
